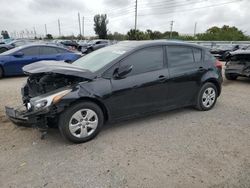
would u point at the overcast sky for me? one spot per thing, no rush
(18, 15)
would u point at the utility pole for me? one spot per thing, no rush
(83, 27)
(59, 28)
(34, 31)
(79, 21)
(171, 28)
(46, 30)
(135, 14)
(195, 27)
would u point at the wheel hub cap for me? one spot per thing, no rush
(83, 123)
(208, 97)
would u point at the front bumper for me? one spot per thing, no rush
(25, 118)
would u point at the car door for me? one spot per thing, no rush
(185, 71)
(17, 62)
(144, 89)
(49, 53)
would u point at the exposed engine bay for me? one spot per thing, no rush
(38, 84)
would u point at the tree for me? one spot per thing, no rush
(137, 35)
(49, 36)
(5, 34)
(100, 25)
(224, 33)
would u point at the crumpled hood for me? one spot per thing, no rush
(59, 67)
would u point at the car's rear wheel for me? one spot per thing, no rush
(81, 122)
(1, 72)
(231, 76)
(207, 97)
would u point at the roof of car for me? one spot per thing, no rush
(146, 43)
(41, 44)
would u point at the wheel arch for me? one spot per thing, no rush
(216, 83)
(1, 67)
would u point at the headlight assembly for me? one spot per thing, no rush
(43, 102)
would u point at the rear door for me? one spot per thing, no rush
(185, 70)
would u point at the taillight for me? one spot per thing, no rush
(218, 64)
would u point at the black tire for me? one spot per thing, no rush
(65, 118)
(231, 76)
(1, 72)
(199, 103)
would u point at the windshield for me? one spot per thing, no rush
(100, 58)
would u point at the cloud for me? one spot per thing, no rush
(152, 14)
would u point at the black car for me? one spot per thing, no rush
(221, 52)
(121, 81)
(238, 64)
(94, 45)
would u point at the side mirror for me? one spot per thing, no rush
(19, 54)
(122, 71)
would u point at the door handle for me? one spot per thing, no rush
(201, 69)
(162, 78)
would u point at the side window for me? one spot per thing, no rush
(197, 54)
(145, 60)
(98, 42)
(31, 51)
(179, 55)
(48, 51)
(61, 51)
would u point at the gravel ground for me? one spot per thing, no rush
(181, 148)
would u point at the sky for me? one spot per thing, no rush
(25, 16)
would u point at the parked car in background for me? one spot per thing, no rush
(94, 45)
(12, 61)
(238, 64)
(125, 80)
(5, 47)
(221, 52)
(71, 44)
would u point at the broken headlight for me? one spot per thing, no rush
(42, 102)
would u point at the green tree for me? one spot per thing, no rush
(100, 25)
(49, 36)
(224, 33)
(137, 35)
(5, 34)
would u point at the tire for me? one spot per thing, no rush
(76, 127)
(1, 72)
(231, 76)
(207, 97)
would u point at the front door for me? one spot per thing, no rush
(144, 89)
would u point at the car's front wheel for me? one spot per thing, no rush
(207, 97)
(81, 122)
(231, 76)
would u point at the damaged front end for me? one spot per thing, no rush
(43, 94)
(238, 63)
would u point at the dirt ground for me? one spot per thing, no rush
(181, 148)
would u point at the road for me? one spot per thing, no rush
(181, 148)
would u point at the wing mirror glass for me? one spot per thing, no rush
(19, 54)
(122, 71)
